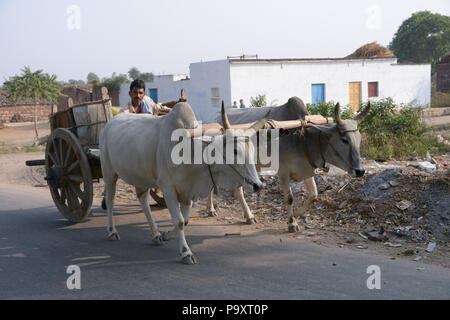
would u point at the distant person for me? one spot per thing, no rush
(235, 104)
(242, 105)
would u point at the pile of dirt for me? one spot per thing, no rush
(372, 50)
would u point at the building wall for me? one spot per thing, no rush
(213, 81)
(25, 112)
(281, 80)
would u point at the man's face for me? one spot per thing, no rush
(137, 94)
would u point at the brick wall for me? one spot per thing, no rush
(25, 112)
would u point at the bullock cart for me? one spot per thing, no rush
(72, 160)
(72, 154)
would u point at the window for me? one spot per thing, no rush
(215, 98)
(373, 89)
(317, 93)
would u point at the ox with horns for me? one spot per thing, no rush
(305, 150)
(138, 149)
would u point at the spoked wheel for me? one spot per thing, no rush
(68, 175)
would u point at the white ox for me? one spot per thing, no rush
(138, 147)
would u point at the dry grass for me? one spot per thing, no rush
(372, 50)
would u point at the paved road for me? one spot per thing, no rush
(37, 245)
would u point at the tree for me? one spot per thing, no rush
(33, 85)
(134, 73)
(147, 76)
(93, 78)
(259, 101)
(73, 82)
(113, 83)
(424, 37)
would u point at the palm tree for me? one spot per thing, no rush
(33, 85)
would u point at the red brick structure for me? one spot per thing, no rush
(21, 113)
(443, 74)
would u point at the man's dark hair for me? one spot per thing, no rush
(138, 83)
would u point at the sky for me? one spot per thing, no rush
(71, 38)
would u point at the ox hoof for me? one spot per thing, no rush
(294, 228)
(158, 240)
(213, 213)
(189, 259)
(252, 220)
(114, 236)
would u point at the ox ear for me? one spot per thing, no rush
(360, 117)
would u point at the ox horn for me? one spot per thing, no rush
(360, 116)
(225, 122)
(337, 115)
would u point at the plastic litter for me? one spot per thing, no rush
(426, 165)
(431, 247)
(403, 205)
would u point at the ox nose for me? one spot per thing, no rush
(359, 172)
(256, 187)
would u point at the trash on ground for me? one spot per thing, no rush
(426, 165)
(431, 247)
(362, 247)
(403, 205)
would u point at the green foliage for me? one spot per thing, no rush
(326, 109)
(134, 74)
(33, 85)
(92, 77)
(424, 37)
(395, 131)
(146, 76)
(113, 83)
(259, 101)
(73, 82)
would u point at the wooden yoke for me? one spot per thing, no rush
(215, 129)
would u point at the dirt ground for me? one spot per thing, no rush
(349, 213)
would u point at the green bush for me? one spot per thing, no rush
(395, 131)
(326, 109)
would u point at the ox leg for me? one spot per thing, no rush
(310, 184)
(178, 220)
(289, 200)
(210, 205)
(143, 196)
(312, 190)
(110, 192)
(249, 216)
(185, 211)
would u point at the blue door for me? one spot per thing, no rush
(318, 92)
(154, 95)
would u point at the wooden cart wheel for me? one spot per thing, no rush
(68, 175)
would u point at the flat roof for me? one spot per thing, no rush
(306, 59)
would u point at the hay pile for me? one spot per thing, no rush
(372, 50)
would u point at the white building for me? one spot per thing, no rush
(343, 80)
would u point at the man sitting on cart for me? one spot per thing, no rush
(141, 103)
